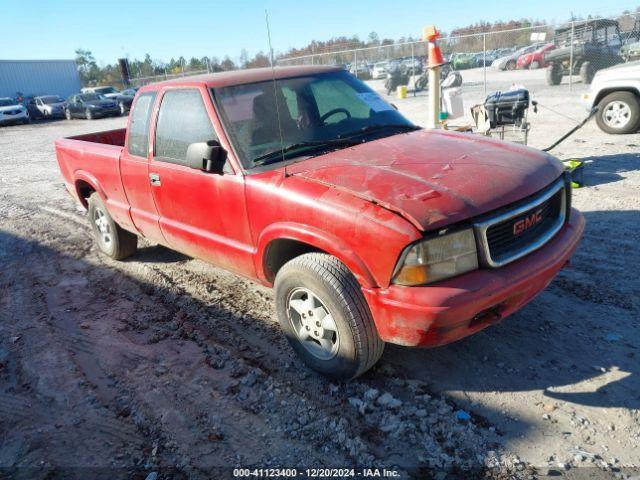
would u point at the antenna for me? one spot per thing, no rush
(275, 95)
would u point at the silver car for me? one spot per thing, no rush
(50, 106)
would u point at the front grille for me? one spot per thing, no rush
(510, 235)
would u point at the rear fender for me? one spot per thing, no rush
(83, 176)
(119, 211)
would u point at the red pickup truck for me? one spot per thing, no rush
(371, 229)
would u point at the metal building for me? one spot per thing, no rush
(39, 77)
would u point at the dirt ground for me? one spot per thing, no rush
(163, 364)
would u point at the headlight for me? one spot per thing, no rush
(437, 258)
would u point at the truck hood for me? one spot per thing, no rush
(622, 71)
(434, 178)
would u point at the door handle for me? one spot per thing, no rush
(154, 178)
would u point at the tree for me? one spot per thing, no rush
(227, 64)
(87, 66)
(244, 58)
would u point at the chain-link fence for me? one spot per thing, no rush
(558, 55)
(141, 81)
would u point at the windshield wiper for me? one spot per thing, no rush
(375, 128)
(280, 153)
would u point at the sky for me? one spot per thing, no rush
(54, 29)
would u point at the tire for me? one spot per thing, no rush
(511, 65)
(88, 114)
(122, 109)
(421, 83)
(554, 75)
(587, 72)
(67, 114)
(322, 281)
(619, 113)
(534, 65)
(111, 239)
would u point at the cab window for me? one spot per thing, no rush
(183, 120)
(139, 127)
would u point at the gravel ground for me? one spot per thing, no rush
(162, 363)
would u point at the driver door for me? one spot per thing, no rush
(202, 214)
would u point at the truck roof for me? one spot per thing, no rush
(239, 77)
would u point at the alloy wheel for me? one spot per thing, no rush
(313, 323)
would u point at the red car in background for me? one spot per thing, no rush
(535, 59)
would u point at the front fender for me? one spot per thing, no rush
(316, 238)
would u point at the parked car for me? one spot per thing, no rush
(510, 61)
(361, 71)
(413, 66)
(12, 111)
(379, 70)
(50, 106)
(347, 214)
(616, 92)
(630, 51)
(90, 106)
(125, 99)
(107, 91)
(29, 102)
(483, 58)
(462, 61)
(535, 59)
(593, 45)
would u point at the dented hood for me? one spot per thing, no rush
(434, 178)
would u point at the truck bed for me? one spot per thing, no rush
(94, 159)
(108, 137)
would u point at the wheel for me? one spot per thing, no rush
(325, 317)
(67, 113)
(88, 114)
(112, 240)
(619, 112)
(511, 65)
(587, 72)
(534, 65)
(122, 109)
(554, 75)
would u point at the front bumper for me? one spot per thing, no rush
(586, 100)
(105, 112)
(453, 309)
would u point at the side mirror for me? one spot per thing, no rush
(207, 156)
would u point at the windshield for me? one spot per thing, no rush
(6, 102)
(313, 110)
(90, 97)
(105, 90)
(51, 99)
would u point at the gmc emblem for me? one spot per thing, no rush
(526, 223)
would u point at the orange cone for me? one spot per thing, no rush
(431, 34)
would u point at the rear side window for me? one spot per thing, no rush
(139, 127)
(182, 120)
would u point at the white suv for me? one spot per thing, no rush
(13, 112)
(616, 92)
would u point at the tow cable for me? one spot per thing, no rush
(573, 166)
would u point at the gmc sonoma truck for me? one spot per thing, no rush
(370, 229)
